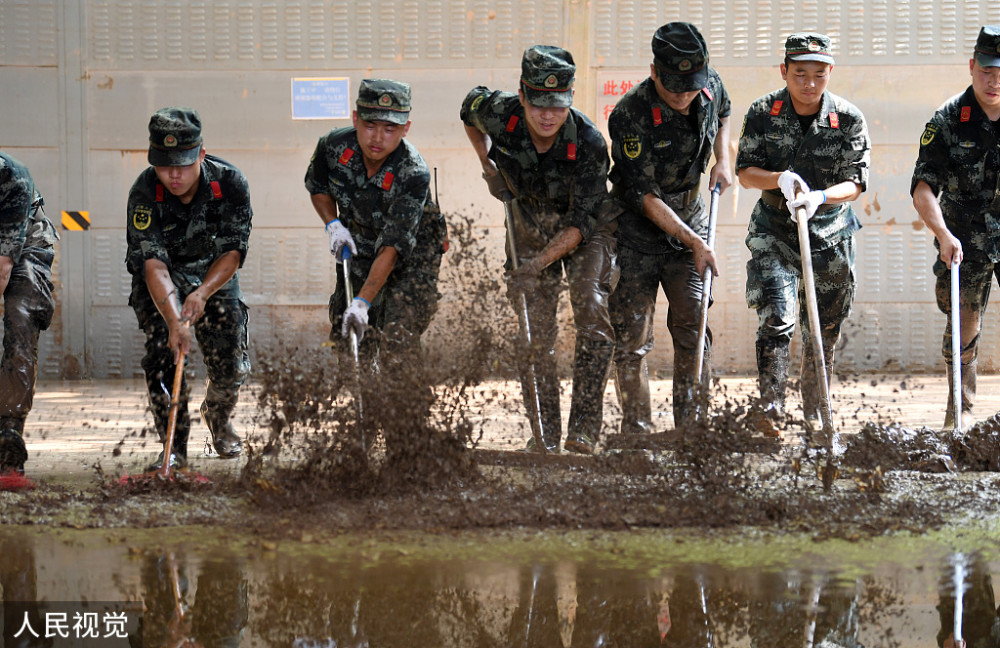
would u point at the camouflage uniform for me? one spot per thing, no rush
(835, 149)
(659, 151)
(565, 187)
(960, 160)
(27, 237)
(394, 209)
(188, 239)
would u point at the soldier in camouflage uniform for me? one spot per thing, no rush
(188, 228)
(371, 188)
(802, 147)
(956, 191)
(663, 133)
(554, 162)
(26, 254)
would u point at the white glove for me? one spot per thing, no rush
(356, 318)
(339, 237)
(810, 201)
(790, 184)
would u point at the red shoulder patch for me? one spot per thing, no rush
(708, 93)
(216, 189)
(834, 120)
(346, 156)
(571, 151)
(387, 181)
(512, 123)
(657, 116)
(776, 107)
(966, 113)
(159, 192)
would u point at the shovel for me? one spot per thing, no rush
(706, 289)
(349, 292)
(956, 348)
(812, 308)
(166, 470)
(522, 316)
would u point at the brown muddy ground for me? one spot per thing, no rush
(311, 468)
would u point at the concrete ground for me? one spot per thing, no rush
(77, 425)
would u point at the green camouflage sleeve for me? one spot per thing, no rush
(481, 110)
(234, 234)
(635, 171)
(590, 202)
(142, 233)
(16, 195)
(317, 173)
(857, 151)
(932, 158)
(752, 151)
(405, 211)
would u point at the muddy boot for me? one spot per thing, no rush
(224, 438)
(586, 414)
(772, 380)
(809, 387)
(159, 403)
(13, 453)
(686, 400)
(632, 385)
(968, 396)
(15, 423)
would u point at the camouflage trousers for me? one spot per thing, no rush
(28, 308)
(224, 340)
(974, 280)
(633, 307)
(774, 285)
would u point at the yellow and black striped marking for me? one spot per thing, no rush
(76, 220)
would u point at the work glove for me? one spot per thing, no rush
(356, 318)
(498, 186)
(524, 280)
(810, 201)
(790, 184)
(339, 237)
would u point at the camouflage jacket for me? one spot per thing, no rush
(22, 221)
(565, 187)
(960, 160)
(835, 149)
(189, 238)
(659, 151)
(384, 210)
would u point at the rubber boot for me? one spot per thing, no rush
(591, 363)
(968, 396)
(632, 386)
(159, 403)
(224, 438)
(15, 423)
(685, 398)
(772, 380)
(13, 452)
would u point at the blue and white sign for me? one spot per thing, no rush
(321, 97)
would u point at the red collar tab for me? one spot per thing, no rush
(512, 123)
(966, 113)
(387, 181)
(216, 189)
(657, 116)
(571, 151)
(776, 107)
(834, 120)
(345, 157)
(708, 93)
(159, 193)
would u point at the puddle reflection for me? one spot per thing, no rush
(303, 598)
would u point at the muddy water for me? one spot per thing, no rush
(509, 589)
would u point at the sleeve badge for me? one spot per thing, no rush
(142, 217)
(632, 146)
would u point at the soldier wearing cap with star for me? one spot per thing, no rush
(801, 140)
(663, 134)
(188, 230)
(956, 192)
(553, 161)
(27, 240)
(371, 188)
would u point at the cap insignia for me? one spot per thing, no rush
(814, 46)
(170, 140)
(385, 100)
(551, 81)
(684, 65)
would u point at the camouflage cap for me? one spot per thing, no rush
(384, 100)
(809, 46)
(681, 57)
(547, 75)
(988, 46)
(174, 137)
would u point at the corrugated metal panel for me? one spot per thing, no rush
(28, 32)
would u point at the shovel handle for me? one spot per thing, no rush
(956, 346)
(706, 288)
(166, 470)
